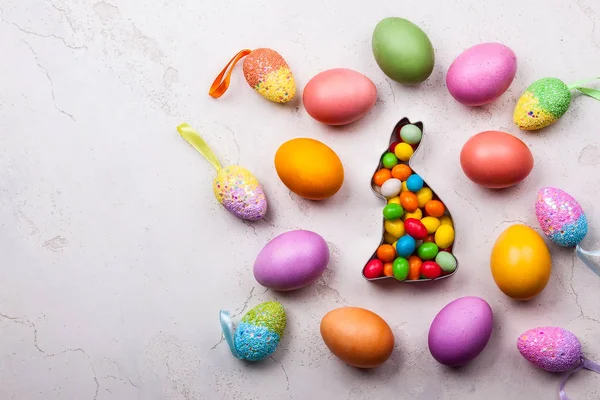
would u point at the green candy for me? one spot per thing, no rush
(393, 211)
(411, 134)
(427, 251)
(270, 315)
(389, 160)
(400, 268)
(446, 261)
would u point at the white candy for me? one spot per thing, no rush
(391, 188)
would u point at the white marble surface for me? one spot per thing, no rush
(116, 258)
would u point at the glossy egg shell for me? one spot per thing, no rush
(496, 159)
(551, 348)
(481, 73)
(339, 96)
(560, 216)
(520, 262)
(460, 331)
(291, 260)
(240, 193)
(357, 336)
(309, 168)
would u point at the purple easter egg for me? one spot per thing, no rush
(551, 348)
(291, 260)
(481, 74)
(560, 216)
(460, 331)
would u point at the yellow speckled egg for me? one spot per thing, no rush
(309, 168)
(520, 262)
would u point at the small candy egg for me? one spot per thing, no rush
(418, 214)
(394, 227)
(446, 220)
(414, 264)
(424, 196)
(411, 134)
(389, 239)
(404, 151)
(409, 201)
(435, 208)
(427, 251)
(373, 269)
(431, 224)
(381, 176)
(415, 228)
(391, 188)
(542, 104)
(431, 270)
(392, 211)
(394, 200)
(404, 187)
(389, 160)
(388, 269)
(405, 246)
(386, 253)
(400, 268)
(267, 72)
(414, 183)
(446, 261)
(240, 193)
(551, 348)
(560, 216)
(444, 236)
(401, 171)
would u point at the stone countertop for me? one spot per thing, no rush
(116, 258)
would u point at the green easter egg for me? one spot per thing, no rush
(446, 261)
(402, 50)
(427, 251)
(400, 268)
(411, 134)
(270, 315)
(389, 160)
(542, 104)
(392, 211)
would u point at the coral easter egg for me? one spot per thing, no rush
(240, 193)
(267, 72)
(520, 262)
(357, 336)
(496, 159)
(309, 168)
(560, 216)
(291, 260)
(481, 74)
(339, 96)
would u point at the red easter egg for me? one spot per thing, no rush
(430, 270)
(373, 269)
(415, 228)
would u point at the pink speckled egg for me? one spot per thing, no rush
(560, 216)
(291, 260)
(551, 348)
(460, 331)
(481, 74)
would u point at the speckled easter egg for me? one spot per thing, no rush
(460, 331)
(551, 348)
(309, 168)
(240, 193)
(291, 260)
(542, 104)
(339, 96)
(267, 72)
(481, 74)
(560, 216)
(260, 331)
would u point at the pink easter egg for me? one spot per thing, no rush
(551, 348)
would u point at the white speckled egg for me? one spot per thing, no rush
(391, 188)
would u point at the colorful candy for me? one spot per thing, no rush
(392, 211)
(444, 236)
(391, 188)
(400, 268)
(414, 183)
(431, 270)
(427, 251)
(446, 261)
(405, 246)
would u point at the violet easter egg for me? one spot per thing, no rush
(481, 74)
(240, 193)
(291, 260)
(460, 331)
(339, 96)
(560, 216)
(551, 348)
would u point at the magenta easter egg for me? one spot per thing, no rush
(481, 74)
(460, 331)
(551, 348)
(560, 216)
(339, 96)
(291, 260)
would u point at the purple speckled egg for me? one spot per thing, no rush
(481, 74)
(291, 260)
(560, 216)
(460, 331)
(551, 348)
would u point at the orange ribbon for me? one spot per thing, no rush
(220, 86)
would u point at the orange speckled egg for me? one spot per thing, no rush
(309, 168)
(357, 336)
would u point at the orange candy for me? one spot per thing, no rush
(388, 269)
(409, 201)
(434, 208)
(414, 265)
(401, 171)
(386, 253)
(381, 176)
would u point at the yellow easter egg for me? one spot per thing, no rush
(444, 236)
(417, 214)
(309, 168)
(520, 262)
(423, 196)
(446, 220)
(431, 224)
(394, 200)
(240, 193)
(394, 227)
(404, 187)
